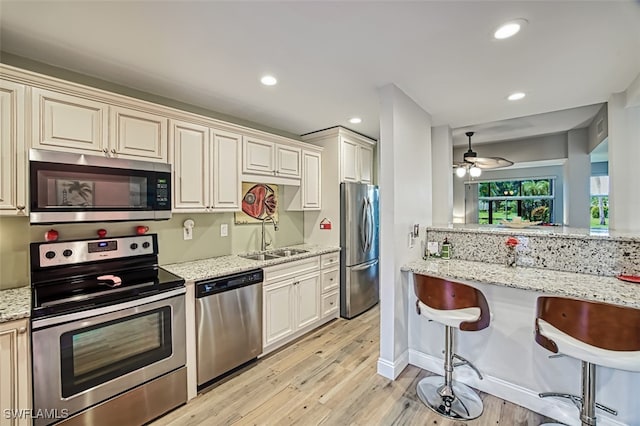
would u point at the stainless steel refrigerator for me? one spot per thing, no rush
(359, 267)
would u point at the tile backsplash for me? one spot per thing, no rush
(572, 253)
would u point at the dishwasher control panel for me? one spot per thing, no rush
(228, 282)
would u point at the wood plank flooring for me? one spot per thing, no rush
(329, 377)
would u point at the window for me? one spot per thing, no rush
(530, 199)
(599, 209)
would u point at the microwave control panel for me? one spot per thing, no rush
(72, 252)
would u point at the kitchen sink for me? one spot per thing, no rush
(287, 252)
(260, 256)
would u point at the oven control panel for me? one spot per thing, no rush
(72, 252)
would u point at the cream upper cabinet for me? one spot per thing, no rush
(356, 161)
(288, 161)
(191, 166)
(69, 123)
(15, 386)
(13, 161)
(206, 168)
(308, 196)
(227, 183)
(259, 157)
(138, 135)
(366, 163)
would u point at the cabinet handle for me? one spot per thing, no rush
(106, 152)
(20, 208)
(22, 330)
(113, 151)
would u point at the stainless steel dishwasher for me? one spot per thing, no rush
(229, 323)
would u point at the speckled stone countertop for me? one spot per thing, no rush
(219, 266)
(581, 286)
(15, 303)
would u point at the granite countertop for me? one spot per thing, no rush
(15, 303)
(224, 265)
(550, 231)
(581, 286)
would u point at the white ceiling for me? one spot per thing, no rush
(331, 57)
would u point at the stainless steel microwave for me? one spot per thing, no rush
(67, 187)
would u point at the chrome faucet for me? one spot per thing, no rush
(266, 244)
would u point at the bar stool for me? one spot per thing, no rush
(460, 306)
(595, 333)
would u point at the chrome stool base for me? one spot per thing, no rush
(465, 404)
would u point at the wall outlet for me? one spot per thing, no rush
(224, 230)
(187, 233)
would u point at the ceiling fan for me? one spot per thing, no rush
(473, 164)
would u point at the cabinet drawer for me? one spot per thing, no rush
(330, 279)
(330, 303)
(330, 259)
(291, 269)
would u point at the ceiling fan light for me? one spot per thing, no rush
(475, 171)
(461, 171)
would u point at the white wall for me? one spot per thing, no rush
(405, 181)
(624, 151)
(577, 173)
(442, 159)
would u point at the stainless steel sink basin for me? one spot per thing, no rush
(286, 252)
(260, 256)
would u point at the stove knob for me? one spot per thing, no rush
(146, 244)
(50, 254)
(133, 246)
(67, 253)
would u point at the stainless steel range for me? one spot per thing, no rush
(108, 335)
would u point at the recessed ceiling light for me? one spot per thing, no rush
(516, 96)
(269, 80)
(509, 29)
(355, 120)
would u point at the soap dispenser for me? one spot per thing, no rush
(445, 253)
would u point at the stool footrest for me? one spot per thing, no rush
(464, 361)
(577, 401)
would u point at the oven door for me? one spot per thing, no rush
(84, 358)
(69, 187)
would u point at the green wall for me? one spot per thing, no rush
(16, 234)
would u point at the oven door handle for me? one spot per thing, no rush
(47, 322)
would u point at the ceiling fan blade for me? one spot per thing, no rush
(491, 162)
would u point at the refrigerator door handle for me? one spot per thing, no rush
(363, 230)
(365, 266)
(371, 225)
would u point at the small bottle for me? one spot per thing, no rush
(445, 253)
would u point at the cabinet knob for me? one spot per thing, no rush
(20, 208)
(274, 172)
(106, 152)
(22, 330)
(113, 151)
(331, 303)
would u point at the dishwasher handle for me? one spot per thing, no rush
(213, 286)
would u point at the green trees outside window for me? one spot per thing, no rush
(530, 199)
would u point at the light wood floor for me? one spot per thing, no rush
(329, 377)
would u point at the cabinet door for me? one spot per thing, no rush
(227, 189)
(13, 161)
(15, 386)
(311, 181)
(308, 300)
(288, 160)
(191, 158)
(69, 123)
(366, 164)
(258, 156)
(278, 311)
(349, 161)
(138, 135)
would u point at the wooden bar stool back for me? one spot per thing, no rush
(594, 332)
(455, 305)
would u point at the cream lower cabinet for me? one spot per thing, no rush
(15, 380)
(206, 165)
(13, 161)
(330, 285)
(69, 123)
(291, 297)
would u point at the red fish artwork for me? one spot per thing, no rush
(259, 201)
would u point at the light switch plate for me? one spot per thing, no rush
(188, 233)
(224, 230)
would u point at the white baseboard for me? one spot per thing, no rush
(392, 369)
(550, 407)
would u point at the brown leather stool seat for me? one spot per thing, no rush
(455, 305)
(595, 333)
